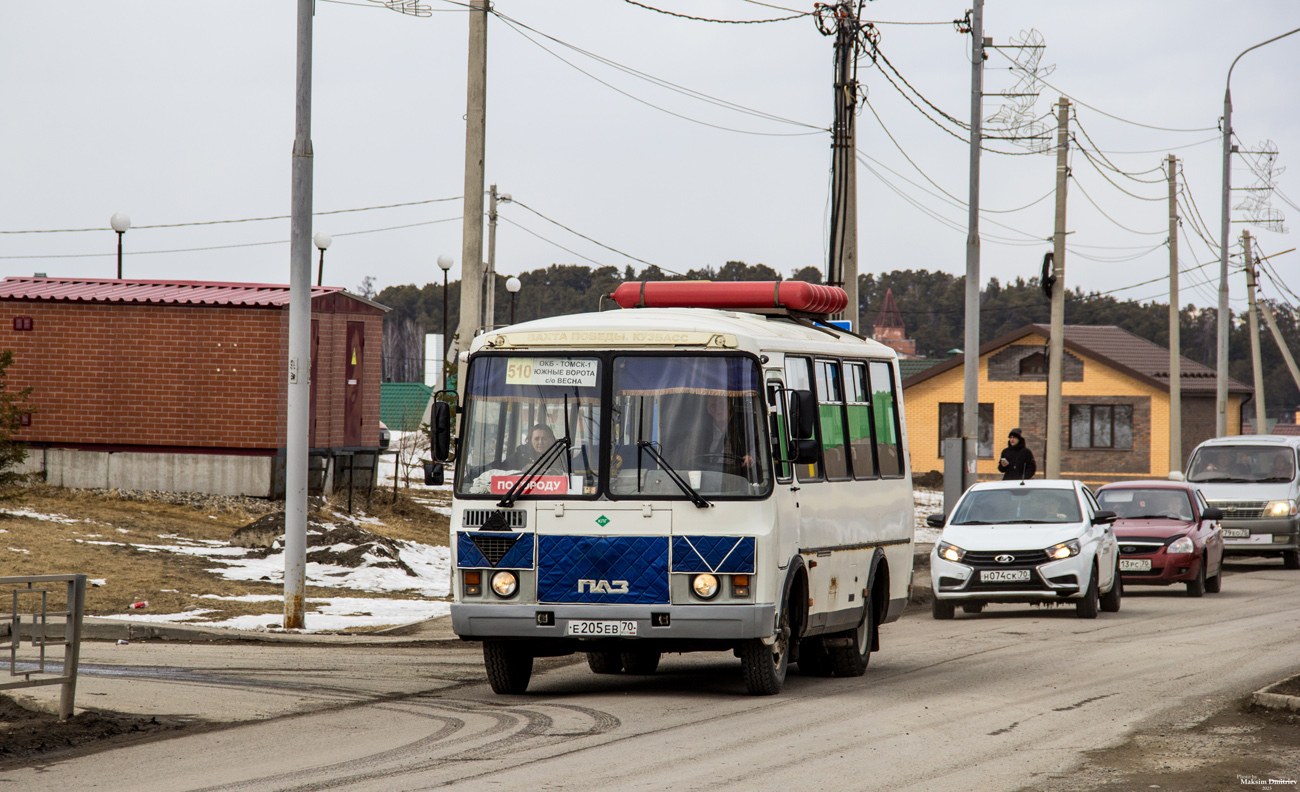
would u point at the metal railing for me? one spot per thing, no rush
(33, 585)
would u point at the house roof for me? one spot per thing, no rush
(1114, 346)
(401, 404)
(173, 292)
(909, 366)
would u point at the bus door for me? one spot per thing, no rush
(785, 496)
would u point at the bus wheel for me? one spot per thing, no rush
(813, 659)
(605, 662)
(765, 665)
(851, 660)
(509, 666)
(641, 661)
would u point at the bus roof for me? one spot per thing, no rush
(680, 328)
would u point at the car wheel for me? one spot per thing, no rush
(1196, 588)
(1086, 608)
(764, 665)
(942, 610)
(640, 662)
(1214, 584)
(1291, 559)
(813, 659)
(509, 666)
(605, 662)
(1110, 601)
(973, 607)
(851, 660)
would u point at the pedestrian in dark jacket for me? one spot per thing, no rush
(1017, 461)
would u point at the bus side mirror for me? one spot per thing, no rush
(803, 414)
(440, 431)
(807, 451)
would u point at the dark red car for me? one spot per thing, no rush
(1167, 534)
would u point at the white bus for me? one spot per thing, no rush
(627, 484)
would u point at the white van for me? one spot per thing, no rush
(628, 484)
(1255, 481)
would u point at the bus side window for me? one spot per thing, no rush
(830, 411)
(779, 429)
(799, 376)
(884, 414)
(858, 412)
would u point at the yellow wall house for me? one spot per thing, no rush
(1115, 403)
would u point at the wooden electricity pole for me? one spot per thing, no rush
(1056, 344)
(1175, 339)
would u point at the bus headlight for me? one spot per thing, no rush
(1279, 509)
(505, 584)
(705, 586)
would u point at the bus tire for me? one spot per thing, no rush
(640, 661)
(605, 662)
(851, 661)
(813, 660)
(509, 666)
(764, 665)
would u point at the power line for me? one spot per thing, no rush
(796, 15)
(241, 220)
(1088, 157)
(1131, 175)
(1117, 223)
(517, 202)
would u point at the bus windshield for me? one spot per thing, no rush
(1242, 463)
(521, 409)
(702, 414)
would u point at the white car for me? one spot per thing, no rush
(1026, 541)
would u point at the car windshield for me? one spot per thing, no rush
(703, 415)
(1017, 505)
(520, 411)
(1149, 504)
(1242, 463)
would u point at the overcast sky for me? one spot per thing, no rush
(182, 113)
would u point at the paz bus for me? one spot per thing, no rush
(712, 467)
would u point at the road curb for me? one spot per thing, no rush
(1278, 701)
(430, 631)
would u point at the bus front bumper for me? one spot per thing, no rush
(684, 622)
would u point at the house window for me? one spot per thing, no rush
(950, 425)
(1033, 364)
(1101, 426)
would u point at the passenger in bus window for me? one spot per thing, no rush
(725, 450)
(540, 438)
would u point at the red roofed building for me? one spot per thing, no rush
(889, 329)
(180, 385)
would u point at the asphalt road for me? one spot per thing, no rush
(1005, 700)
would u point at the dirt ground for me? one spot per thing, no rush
(26, 735)
(167, 581)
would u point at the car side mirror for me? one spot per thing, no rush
(1104, 517)
(440, 431)
(934, 520)
(1212, 514)
(803, 414)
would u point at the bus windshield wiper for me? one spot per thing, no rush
(534, 471)
(696, 497)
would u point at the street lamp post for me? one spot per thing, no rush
(444, 263)
(322, 241)
(1221, 369)
(512, 286)
(120, 221)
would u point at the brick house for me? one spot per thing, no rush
(180, 385)
(1115, 393)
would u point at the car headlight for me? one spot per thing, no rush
(950, 552)
(705, 586)
(1279, 509)
(505, 584)
(1064, 550)
(1181, 545)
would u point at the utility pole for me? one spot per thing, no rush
(475, 144)
(971, 368)
(842, 262)
(1256, 363)
(1175, 330)
(1281, 343)
(1056, 343)
(490, 272)
(298, 392)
